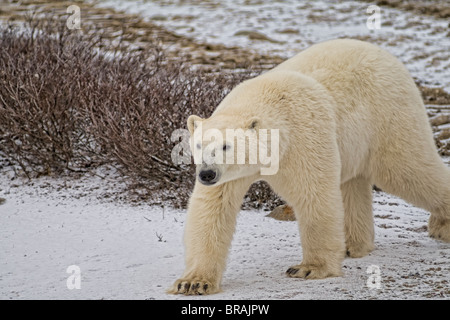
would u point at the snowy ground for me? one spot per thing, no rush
(287, 27)
(126, 251)
(136, 252)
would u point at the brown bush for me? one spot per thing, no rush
(41, 126)
(64, 106)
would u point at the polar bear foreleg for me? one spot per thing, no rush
(209, 230)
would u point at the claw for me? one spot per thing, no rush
(194, 287)
(292, 271)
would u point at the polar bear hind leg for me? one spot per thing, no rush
(358, 216)
(420, 177)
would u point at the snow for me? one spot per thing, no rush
(421, 42)
(127, 251)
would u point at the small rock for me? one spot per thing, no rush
(283, 213)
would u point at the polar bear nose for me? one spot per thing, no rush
(207, 176)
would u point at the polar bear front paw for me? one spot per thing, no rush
(310, 271)
(193, 287)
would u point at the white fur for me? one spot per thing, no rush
(349, 116)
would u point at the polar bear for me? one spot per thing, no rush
(349, 116)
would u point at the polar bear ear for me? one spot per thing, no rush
(191, 123)
(254, 123)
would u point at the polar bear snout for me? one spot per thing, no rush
(208, 176)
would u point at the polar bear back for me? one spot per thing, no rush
(377, 101)
(356, 70)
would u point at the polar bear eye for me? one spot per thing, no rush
(226, 147)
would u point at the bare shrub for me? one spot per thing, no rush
(41, 126)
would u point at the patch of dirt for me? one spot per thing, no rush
(435, 8)
(436, 96)
(440, 123)
(254, 35)
(423, 228)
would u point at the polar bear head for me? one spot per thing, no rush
(227, 147)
